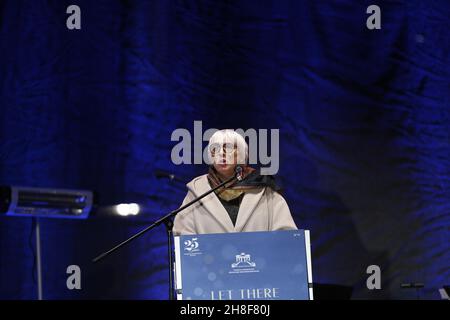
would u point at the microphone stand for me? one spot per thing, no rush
(168, 221)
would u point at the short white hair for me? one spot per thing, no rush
(230, 136)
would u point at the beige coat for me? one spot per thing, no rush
(263, 210)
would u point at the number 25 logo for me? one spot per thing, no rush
(190, 245)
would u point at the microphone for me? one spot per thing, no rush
(239, 172)
(163, 174)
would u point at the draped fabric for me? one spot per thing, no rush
(364, 120)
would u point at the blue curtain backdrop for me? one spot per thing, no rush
(364, 119)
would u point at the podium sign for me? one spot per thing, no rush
(244, 266)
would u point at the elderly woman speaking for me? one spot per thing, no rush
(252, 204)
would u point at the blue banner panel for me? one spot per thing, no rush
(243, 266)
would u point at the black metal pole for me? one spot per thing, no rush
(169, 226)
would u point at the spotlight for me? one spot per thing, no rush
(126, 209)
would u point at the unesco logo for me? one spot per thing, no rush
(243, 264)
(243, 260)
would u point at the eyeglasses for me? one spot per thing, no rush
(226, 147)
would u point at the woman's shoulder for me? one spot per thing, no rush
(198, 183)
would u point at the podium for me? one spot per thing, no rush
(273, 265)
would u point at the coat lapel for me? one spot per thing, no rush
(212, 204)
(248, 204)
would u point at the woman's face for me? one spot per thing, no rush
(224, 158)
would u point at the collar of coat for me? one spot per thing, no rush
(212, 204)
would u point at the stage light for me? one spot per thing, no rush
(39, 203)
(45, 203)
(126, 209)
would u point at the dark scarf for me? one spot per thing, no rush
(252, 181)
